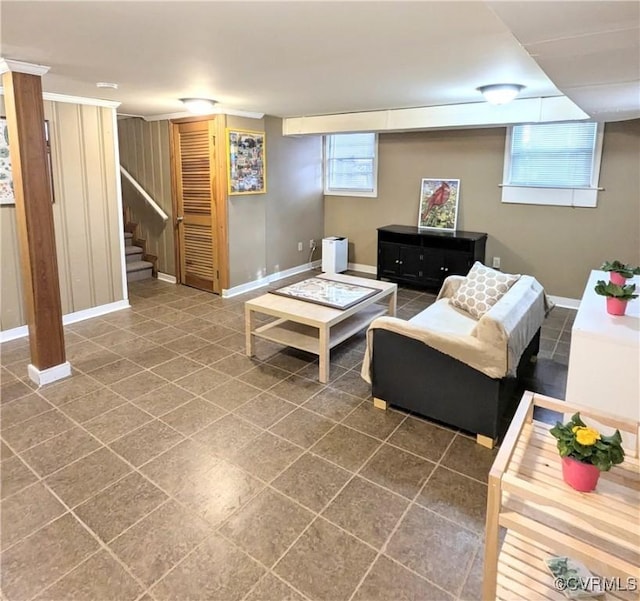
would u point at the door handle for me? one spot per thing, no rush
(179, 219)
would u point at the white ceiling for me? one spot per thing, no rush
(310, 58)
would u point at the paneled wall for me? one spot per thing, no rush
(85, 214)
(144, 153)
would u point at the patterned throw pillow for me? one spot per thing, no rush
(482, 289)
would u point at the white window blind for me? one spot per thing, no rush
(553, 164)
(553, 155)
(351, 164)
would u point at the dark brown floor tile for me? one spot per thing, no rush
(220, 492)
(117, 422)
(15, 476)
(265, 410)
(472, 589)
(422, 438)
(187, 343)
(176, 368)
(326, 563)
(117, 338)
(146, 442)
(346, 447)
(389, 580)
(332, 403)
(96, 360)
(92, 328)
(266, 456)
(227, 435)
(397, 470)
(352, 383)
(264, 376)
(374, 422)
(5, 452)
(164, 335)
(164, 399)
(424, 540)
(193, 416)
(267, 525)
(99, 577)
(311, 481)
(114, 372)
(15, 389)
(232, 394)
(366, 510)
(188, 460)
(26, 511)
(291, 359)
(22, 409)
(465, 455)
(138, 385)
(296, 389)
(91, 405)
(36, 430)
(311, 372)
(39, 560)
(235, 364)
(459, 498)
(119, 506)
(271, 588)
(81, 480)
(153, 356)
(346, 357)
(203, 380)
(60, 450)
(170, 531)
(208, 354)
(216, 333)
(215, 570)
(302, 427)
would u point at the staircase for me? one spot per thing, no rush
(140, 265)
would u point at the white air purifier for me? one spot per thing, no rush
(335, 254)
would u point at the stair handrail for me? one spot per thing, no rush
(152, 203)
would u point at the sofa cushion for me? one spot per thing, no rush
(482, 288)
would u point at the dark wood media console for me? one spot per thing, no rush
(425, 258)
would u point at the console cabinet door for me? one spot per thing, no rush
(411, 263)
(388, 259)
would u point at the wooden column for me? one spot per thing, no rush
(34, 216)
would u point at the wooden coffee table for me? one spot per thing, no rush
(316, 328)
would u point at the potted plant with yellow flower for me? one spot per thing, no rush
(585, 453)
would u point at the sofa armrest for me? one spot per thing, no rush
(450, 286)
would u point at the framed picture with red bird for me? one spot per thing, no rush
(439, 204)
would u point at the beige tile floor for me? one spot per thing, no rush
(170, 466)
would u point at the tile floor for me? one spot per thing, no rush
(170, 466)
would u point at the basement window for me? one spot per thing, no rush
(555, 164)
(351, 165)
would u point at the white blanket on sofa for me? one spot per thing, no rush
(493, 344)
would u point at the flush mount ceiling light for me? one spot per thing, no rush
(500, 93)
(199, 106)
(107, 84)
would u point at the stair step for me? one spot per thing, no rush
(128, 238)
(139, 270)
(133, 253)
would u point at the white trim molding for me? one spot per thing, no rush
(165, 277)
(8, 64)
(111, 104)
(216, 111)
(563, 301)
(120, 204)
(69, 318)
(274, 277)
(362, 268)
(51, 374)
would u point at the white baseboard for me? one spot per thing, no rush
(165, 277)
(563, 301)
(274, 277)
(69, 318)
(51, 374)
(361, 267)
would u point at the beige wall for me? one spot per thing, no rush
(144, 153)
(85, 214)
(264, 229)
(558, 245)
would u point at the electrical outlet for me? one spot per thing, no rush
(312, 243)
(496, 262)
(299, 246)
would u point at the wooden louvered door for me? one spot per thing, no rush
(195, 173)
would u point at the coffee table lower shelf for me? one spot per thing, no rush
(307, 338)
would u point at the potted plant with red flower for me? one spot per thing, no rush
(586, 452)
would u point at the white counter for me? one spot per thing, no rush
(604, 360)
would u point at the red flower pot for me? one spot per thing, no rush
(616, 278)
(616, 306)
(578, 475)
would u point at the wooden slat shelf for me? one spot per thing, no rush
(546, 517)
